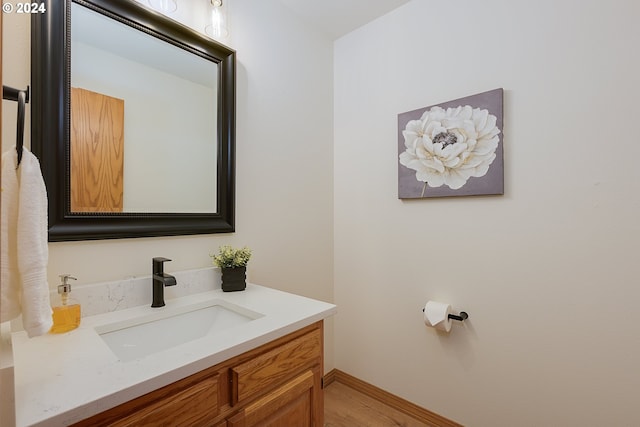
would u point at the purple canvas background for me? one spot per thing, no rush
(491, 183)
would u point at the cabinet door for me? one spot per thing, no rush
(296, 403)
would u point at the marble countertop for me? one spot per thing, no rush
(64, 378)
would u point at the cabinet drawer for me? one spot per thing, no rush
(276, 366)
(193, 406)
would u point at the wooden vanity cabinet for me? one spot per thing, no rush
(276, 384)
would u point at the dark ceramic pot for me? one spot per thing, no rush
(234, 279)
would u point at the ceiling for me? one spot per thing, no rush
(339, 17)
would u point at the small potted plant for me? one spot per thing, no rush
(233, 264)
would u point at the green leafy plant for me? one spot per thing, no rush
(228, 257)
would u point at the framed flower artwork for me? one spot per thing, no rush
(452, 149)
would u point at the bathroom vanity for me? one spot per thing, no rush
(279, 381)
(266, 363)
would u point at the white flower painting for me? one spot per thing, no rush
(451, 148)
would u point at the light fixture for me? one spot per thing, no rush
(164, 6)
(217, 26)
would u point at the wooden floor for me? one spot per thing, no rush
(346, 407)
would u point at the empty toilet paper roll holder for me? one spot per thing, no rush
(461, 317)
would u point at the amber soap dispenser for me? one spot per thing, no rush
(66, 311)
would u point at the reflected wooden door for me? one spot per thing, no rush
(97, 152)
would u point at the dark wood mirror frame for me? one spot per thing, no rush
(50, 122)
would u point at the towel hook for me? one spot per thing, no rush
(22, 96)
(22, 100)
(11, 94)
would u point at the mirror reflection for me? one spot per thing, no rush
(143, 121)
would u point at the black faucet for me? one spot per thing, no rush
(160, 280)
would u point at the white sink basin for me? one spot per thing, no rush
(167, 327)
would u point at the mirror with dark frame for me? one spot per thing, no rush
(134, 178)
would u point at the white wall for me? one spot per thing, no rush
(284, 163)
(547, 272)
(15, 57)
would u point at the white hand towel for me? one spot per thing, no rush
(24, 251)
